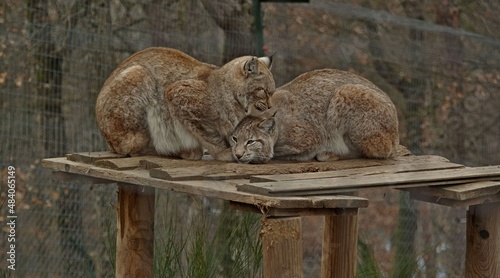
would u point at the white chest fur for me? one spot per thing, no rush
(169, 136)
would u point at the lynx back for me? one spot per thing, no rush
(323, 115)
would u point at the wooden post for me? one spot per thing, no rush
(282, 247)
(483, 241)
(340, 246)
(135, 237)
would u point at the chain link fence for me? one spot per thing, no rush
(438, 62)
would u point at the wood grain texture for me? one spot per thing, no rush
(340, 243)
(225, 190)
(217, 170)
(126, 163)
(460, 192)
(398, 165)
(135, 235)
(91, 157)
(282, 247)
(398, 180)
(483, 241)
(415, 195)
(288, 212)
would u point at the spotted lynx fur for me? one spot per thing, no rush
(323, 115)
(162, 101)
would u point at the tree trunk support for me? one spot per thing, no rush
(135, 236)
(340, 245)
(282, 247)
(483, 241)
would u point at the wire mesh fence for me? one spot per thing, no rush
(438, 62)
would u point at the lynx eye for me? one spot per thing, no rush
(251, 142)
(234, 138)
(261, 106)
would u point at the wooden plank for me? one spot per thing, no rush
(412, 179)
(340, 241)
(91, 157)
(122, 162)
(415, 195)
(482, 256)
(368, 171)
(144, 162)
(135, 235)
(461, 191)
(329, 191)
(277, 212)
(282, 247)
(119, 164)
(217, 170)
(225, 190)
(66, 177)
(237, 171)
(151, 162)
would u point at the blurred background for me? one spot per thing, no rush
(439, 61)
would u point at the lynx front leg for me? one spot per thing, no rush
(224, 155)
(188, 103)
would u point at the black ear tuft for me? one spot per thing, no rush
(268, 60)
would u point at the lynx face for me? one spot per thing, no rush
(253, 140)
(252, 81)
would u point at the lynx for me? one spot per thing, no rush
(162, 101)
(324, 115)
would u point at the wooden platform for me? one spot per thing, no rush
(283, 191)
(222, 179)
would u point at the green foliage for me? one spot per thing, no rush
(367, 262)
(4, 273)
(226, 245)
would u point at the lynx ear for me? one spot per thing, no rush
(268, 125)
(251, 67)
(271, 112)
(267, 60)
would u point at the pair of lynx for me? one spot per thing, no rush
(162, 101)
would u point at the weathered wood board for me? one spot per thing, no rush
(349, 183)
(225, 190)
(262, 172)
(91, 157)
(178, 169)
(461, 192)
(416, 166)
(460, 195)
(433, 178)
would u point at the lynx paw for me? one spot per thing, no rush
(322, 157)
(195, 154)
(225, 155)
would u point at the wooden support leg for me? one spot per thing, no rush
(340, 245)
(135, 237)
(282, 247)
(483, 241)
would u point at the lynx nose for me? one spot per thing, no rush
(238, 155)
